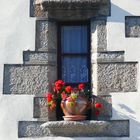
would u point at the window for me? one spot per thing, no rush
(74, 52)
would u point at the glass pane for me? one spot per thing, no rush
(74, 39)
(74, 69)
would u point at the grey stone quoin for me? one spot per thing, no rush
(132, 26)
(28, 79)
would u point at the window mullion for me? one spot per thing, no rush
(75, 59)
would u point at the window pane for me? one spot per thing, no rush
(74, 39)
(74, 69)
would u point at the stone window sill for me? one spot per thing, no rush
(112, 128)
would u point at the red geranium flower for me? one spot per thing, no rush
(81, 86)
(57, 88)
(63, 92)
(54, 90)
(63, 95)
(49, 97)
(98, 105)
(59, 83)
(68, 89)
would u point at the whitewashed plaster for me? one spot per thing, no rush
(17, 33)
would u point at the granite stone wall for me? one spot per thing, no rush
(132, 26)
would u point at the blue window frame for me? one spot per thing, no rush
(74, 53)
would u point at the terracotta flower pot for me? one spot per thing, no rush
(76, 109)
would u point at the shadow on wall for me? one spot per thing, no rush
(118, 14)
(134, 125)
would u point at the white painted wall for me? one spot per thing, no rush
(17, 33)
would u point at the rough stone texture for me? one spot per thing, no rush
(98, 35)
(68, 14)
(46, 35)
(118, 128)
(132, 26)
(28, 79)
(69, 1)
(108, 56)
(98, 39)
(73, 4)
(31, 129)
(42, 111)
(116, 77)
(106, 110)
(69, 10)
(101, 35)
(40, 57)
(36, 10)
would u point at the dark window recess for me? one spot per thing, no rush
(73, 54)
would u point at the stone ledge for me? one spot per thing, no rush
(107, 56)
(28, 79)
(33, 57)
(116, 77)
(112, 128)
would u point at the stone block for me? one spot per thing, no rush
(28, 79)
(112, 128)
(98, 34)
(36, 10)
(116, 77)
(105, 111)
(31, 57)
(69, 10)
(42, 111)
(132, 26)
(107, 56)
(70, 14)
(46, 35)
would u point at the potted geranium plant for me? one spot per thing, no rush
(75, 101)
